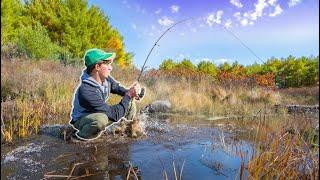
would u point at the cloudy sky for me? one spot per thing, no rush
(246, 31)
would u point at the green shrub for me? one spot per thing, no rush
(36, 43)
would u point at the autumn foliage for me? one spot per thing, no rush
(275, 73)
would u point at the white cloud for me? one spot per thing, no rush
(244, 22)
(203, 59)
(193, 29)
(236, 3)
(228, 23)
(174, 8)
(277, 11)
(293, 3)
(214, 18)
(259, 7)
(158, 11)
(181, 34)
(181, 56)
(218, 18)
(165, 21)
(222, 60)
(249, 17)
(272, 2)
(134, 26)
(237, 15)
(210, 19)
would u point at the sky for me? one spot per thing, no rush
(246, 31)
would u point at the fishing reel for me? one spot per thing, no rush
(142, 92)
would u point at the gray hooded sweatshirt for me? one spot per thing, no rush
(90, 97)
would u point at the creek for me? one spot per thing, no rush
(198, 148)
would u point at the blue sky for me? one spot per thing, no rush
(270, 28)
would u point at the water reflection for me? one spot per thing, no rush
(203, 149)
(95, 161)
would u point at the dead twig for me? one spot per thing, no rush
(73, 168)
(62, 155)
(164, 171)
(86, 175)
(174, 170)
(129, 172)
(180, 176)
(57, 176)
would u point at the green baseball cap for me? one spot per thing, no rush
(93, 56)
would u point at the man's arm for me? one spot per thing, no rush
(116, 87)
(91, 99)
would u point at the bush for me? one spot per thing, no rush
(36, 43)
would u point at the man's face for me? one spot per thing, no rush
(105, 68)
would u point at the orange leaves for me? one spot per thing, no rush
(264, 80)
(114, 43)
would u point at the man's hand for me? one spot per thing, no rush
(141, 94)
(134, 90)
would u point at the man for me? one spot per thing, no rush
(91, 114)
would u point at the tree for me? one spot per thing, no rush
(253, 69)
(186, 64)
(75, 27)
(11, 11)
(225, 67)
(36, 43)
(207, 67)
(167, 64)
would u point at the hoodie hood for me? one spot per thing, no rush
(86, 78)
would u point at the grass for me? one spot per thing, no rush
(34, 93)
(286, 146)
(38, 93)
(285, 149)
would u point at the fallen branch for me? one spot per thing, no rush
(74, 166)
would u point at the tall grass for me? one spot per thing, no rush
(34, 93)
(286, 149)
(40, 92)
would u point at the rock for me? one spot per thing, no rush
(158, 106)
(58, 131)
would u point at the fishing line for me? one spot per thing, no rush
(155, 44)
(229, 31)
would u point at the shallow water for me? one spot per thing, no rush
(201, 149)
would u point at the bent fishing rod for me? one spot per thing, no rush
(145, 61)
(226, 29)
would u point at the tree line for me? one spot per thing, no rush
(283, 72)
(58, 30)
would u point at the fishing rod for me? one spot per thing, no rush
(145, 61)
(229, 31)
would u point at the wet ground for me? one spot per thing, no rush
(198, 148)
